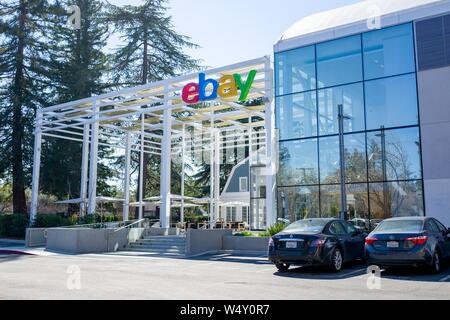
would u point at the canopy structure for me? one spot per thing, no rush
(155, 119)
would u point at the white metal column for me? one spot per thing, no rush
(93, 162)
(84, 169)
(270, 146)
(216, 174)
(126, 191)
(36, 167)
(166, 169)
(141, 171)
(183, 174)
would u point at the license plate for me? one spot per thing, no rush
(291, 245)
(392, 244)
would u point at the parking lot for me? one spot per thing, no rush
(224, 276)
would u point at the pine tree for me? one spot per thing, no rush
(151, 51)
(77, 64)
(22, 88)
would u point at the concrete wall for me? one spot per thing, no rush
(203, 241)
(84, 240)
(245, 243)
(154, 232)
(434, 102)
(35, 237)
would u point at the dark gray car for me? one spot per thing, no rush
(409, 241)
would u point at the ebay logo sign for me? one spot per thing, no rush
(228, 86)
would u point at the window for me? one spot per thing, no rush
(349, 228)
(392, 102)
(394, 155)
(330, 201)
(329, 160)
(296, 115)
(243, 184)
(388, 52)
(295, 71)
(355, 157)
(430, 226)
(433, 42)
(351, 98)
(231, 214)
(358, 204)
(297, 203)
(339, 62)
(245, 212)
(298, 163)
(337, 228)
(396, 199)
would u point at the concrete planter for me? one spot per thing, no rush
(245, 243)
(36, 237)
(205, 241)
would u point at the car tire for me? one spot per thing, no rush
(336, 260)
(282, 267)
(436, 264)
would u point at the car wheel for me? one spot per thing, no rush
(337, 260)
(436, 263)
(282, 267)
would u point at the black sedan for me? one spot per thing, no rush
(409, 241)
(321, 242)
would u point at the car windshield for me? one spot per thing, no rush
(409, 226)
(309, 226)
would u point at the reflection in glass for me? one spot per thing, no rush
(339, 62)
(355, 157)
(394, 155)
(330, 201)
(295, 70)
(258, 182)
(296, 203)
(296, 115)
(396, 199)
(388, 52)
(358, 205)
(391, 102)
(329, 160)
(351, 98)
(257, 214)
(298, 163)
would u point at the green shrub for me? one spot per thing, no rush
(273, 230)
(244, 234)
(51, 221)
(13, 225)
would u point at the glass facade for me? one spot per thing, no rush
(353, 98)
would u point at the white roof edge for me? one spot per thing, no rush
(352, 19)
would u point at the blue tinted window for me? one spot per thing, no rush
(295, 70)
(388, 52)
(351, 98)
(297, 115)
(298, 163)
(394, 155)
(339, 62)
(329, 160)
(391, 102)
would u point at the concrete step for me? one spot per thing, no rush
(165, 253)
(162, 242)
(151, 246)
(154, 250)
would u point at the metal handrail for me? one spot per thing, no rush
(131, 225)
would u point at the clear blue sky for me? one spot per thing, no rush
(231, 31)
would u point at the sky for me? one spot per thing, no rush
(231, 31)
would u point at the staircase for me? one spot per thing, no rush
(162, 245)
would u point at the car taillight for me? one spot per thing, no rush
(271, 243)
(417, 241)
(370, 241)
(318, 243)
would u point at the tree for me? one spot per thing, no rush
(22, 88)
(151, 51)
(77, 64)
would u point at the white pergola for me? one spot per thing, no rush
(153, 119)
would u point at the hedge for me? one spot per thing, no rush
(13, 225)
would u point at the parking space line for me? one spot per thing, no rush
(444, 279)
(350, 273)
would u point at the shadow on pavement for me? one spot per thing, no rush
(416, 274)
